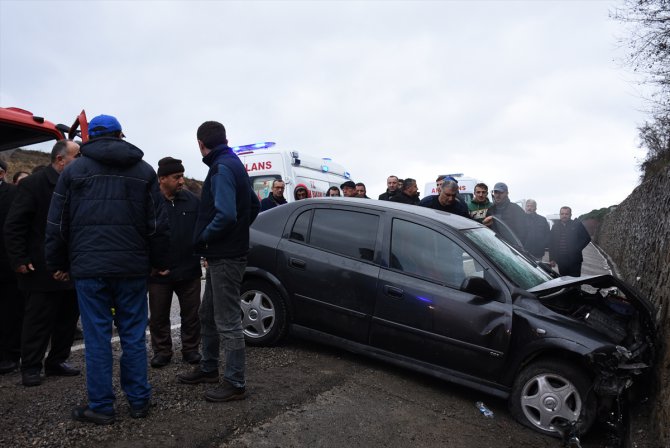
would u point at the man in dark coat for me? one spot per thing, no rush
(276, 196)
(108, 230)
(185, 271)
(447, 200)
(51, 311)
(567, 241)
(408, 193)
(507, 211)
(11, 299)
(537, 238)
(228, 206)
(391, 188)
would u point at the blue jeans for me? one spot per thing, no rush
(128, 296)
(221, 318)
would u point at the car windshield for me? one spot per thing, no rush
(514, 265)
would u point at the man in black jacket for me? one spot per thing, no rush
(408, 193)
(185, 271)
(567, 241)
(391, 188)
(108, 229)
(447, 200)
(228, 206)
(51, 311)
(11, 299)
(276, 196)
(507, 211)
(537, 237)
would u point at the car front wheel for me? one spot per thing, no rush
(548, 395)
(263, 313)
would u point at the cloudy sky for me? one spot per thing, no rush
(530, 93)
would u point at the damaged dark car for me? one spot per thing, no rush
(446, 296)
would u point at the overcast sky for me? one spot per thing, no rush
(530, 93)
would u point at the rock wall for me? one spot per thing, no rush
(637, 237)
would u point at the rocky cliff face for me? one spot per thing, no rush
(637, 237)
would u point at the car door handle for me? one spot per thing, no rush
(394, 292)
(297, 263)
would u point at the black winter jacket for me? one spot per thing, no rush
(228, 206)
(513, 216)
(24, 231)
(184, 264)
(7, 194)
(108, 217)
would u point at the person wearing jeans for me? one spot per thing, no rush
(228, 206)
(107, 228)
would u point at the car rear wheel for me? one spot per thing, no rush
(548, 395)
(263, 313)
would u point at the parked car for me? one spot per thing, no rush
(446, 296)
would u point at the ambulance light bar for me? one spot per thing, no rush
(251, 147)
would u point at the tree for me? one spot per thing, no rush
(649, 45)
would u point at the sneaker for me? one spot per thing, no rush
(142, 411)
(31, 378)
(225, 392)
(88, 415)
(191, 357)
(197, 376)
(159, 361)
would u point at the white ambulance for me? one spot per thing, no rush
(266, 162)
(466, 186)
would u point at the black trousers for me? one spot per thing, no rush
(160, 302)
(571, 268)
(50, 318)
(12, 304)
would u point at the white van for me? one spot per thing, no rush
(265, 162)
(466, 186)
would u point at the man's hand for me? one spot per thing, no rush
(488, 221)
(61, 276)
(552, 263)
(25, 268)
(155, 272)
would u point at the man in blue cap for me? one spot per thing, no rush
(107, 228)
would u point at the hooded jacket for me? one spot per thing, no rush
(107, 216)
(295, 190)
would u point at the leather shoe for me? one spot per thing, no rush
(225, 392)
(159, 361)
(191, 357)
(7, 366)
(31, 378)
(197, 376)
(88, 415)
(142, 411)
(62, 369)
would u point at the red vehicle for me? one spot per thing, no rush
(20, 128)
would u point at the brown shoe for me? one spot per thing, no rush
(197, 376)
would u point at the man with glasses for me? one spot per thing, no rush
(276, 196)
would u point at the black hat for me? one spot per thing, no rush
(169, 165)
(349, 183)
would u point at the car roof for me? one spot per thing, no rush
(19, 127)
(454, 221)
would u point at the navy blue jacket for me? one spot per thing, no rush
(457, 207)
(228, 206)
(107, 216)
(271, 202)
(184, 263)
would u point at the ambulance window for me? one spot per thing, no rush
(262, 185)
(348, 233)
(301, 226)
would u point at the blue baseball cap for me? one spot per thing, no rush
(103, 124)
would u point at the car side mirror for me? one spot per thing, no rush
(479, 287)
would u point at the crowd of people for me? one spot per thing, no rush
(96, 231)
